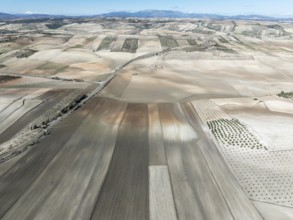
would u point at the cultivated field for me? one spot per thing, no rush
(146, 119)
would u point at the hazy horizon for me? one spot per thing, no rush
(281, 8)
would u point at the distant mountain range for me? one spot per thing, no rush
(4, 16)
(178, 14)
(148, 14)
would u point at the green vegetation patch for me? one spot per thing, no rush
(107, 42)
(130, 45)
(55, 25)
(8, 39)
(26, 53)
(194, 49)
(253, 32)
(192, 42)
(275, 26)
(90, 39)
(6, 78)
(168, 42)
(231, 132)
(51, 68)
(223, 40)
(203, 31)
(225, 49)
(215, 27)
(287, 95)
(87, 41)
(77, 46)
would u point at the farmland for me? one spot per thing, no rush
(146, 119)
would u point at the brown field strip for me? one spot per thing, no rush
(238, 202)
(150, 117)
(117, 86)
(124, 194)
(50, 99)
(157, 155)
(196, 193)
(19, 178)
(84, 160)
(114, 160)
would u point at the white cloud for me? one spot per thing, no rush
(30, 12)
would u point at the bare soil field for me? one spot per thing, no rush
(48, 100)
(128, 154)
(146, 119)
(257, 150)
(275, 132)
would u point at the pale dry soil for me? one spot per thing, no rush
(141, 148)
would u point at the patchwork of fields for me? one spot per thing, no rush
(146, 119)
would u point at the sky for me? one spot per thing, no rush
(92, 7)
